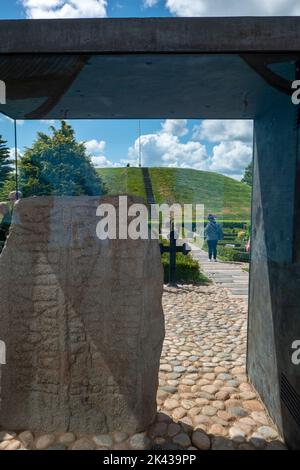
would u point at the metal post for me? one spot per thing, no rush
(172, 278)
(16, 160)
(140, 147)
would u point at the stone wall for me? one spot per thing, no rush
(82, 321)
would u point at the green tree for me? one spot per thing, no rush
(58, 165)
(5, 166)
(8, 186)
(248, 175)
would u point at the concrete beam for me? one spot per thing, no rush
(151, 35)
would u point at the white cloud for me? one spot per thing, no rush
(12, 154)
(175, 127)
(49, 122)
(101, 161)
(233, 7)
(215, 130)
(231, 158)
(231, 154)
(95, 146)
(65, 8)
(150, 3)
(96, 149)
(165, 149)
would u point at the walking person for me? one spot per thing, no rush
(6, 212)
(213, 233)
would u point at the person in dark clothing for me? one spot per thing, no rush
(5, 221)
(6, 212)
(213, 233)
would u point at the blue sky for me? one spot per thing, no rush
(221, 146)
(12, 9)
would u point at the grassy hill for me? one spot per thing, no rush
(225, 197)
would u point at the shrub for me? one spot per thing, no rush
(228, 253)
(187, 269)
(231, 224)
(241, 256)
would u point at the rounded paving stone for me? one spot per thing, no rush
(209, 410)
(66, 438)
(103, 440)
(140, 441)
(275, 445)
(257, 441)
(169, 389)
(236, 434)
(188, 382)
(121, 446)
(247, 395)
(163, 417)
(267, 432)
(246, 446)
(253, 405)
(222, 443)
(7, 435)
(182, 440)
(202, 401)
(217, 430)
(3, 444)
(224, 376)
(44, 441)
(237, 411)
(201, 440)
(187, 404)
(247, 420)
(209, 376)
(13, 444)
(173, 429)
(201, 419)
(179, 369)
(119, 437)
(26, 438)
(57, 447)
(173, 376)
(179, 413)
(218, 404)
(159, 441)
(260, 417)
(158, 429)
(194, 412)
(209, 389)
(186, 424)
(83, 444)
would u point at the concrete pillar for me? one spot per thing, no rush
(274, 311)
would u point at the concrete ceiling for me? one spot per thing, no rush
(157, 68)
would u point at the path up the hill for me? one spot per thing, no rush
(228, 275)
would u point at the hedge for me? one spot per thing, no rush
(187, 269)
(228, 253)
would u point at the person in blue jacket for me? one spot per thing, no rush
(213, 233)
